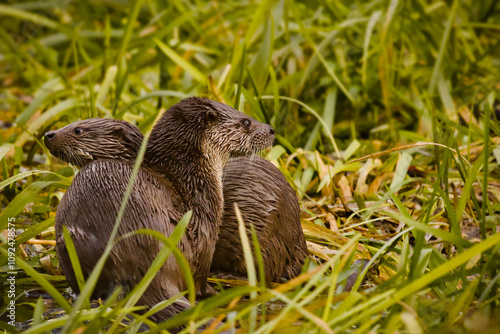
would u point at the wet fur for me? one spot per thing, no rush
(196, 162)
(99, 139)
(89, 215)
(266, 200)
(264, 196)
(192, 156)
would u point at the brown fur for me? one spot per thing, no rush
(99, 139)
(264, 196)
(89, 209)
(196, 163)
(192, 159)
(267, 201)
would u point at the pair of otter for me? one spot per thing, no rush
(183, 170)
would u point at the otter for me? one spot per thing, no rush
(190, 144)
(89, 208)
(269, 203)
(263, 194)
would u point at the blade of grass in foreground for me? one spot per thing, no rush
(75, 262)
(168, 248)
(344, 251)
(247, 251)
(366, 309)
(40, 279)
(260, 264)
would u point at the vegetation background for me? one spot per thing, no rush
(386, 115)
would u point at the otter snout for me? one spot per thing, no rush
(263, 136)
(50, 135)
(52, 142)
(271, 130)
(49, 139)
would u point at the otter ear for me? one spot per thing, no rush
(118, 132)
(211, 116)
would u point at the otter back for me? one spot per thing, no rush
(89, 209)
(269, 203)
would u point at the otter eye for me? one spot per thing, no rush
(78, 131)
(246, 123)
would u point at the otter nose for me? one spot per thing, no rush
(50, 135)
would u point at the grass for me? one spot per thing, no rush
(386, 114)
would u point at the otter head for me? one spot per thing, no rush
(198, 128)
(233, 132)
(97, 138)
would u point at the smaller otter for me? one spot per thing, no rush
(96, 138)
(262, 193)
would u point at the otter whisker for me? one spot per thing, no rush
(69, 156)
(78, 159)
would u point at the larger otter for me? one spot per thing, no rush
(264, 196)
(195, 138)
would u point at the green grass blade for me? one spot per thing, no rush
(21, 176)
(106, 84)
(247, 251)
(197, 75)
(48, 88)
(471, 178)
(442, 47)
(39, 278)
(131, 20)
(19, 202)
(422, 282)
(401, 170)
(38, 313)
(75, 262)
